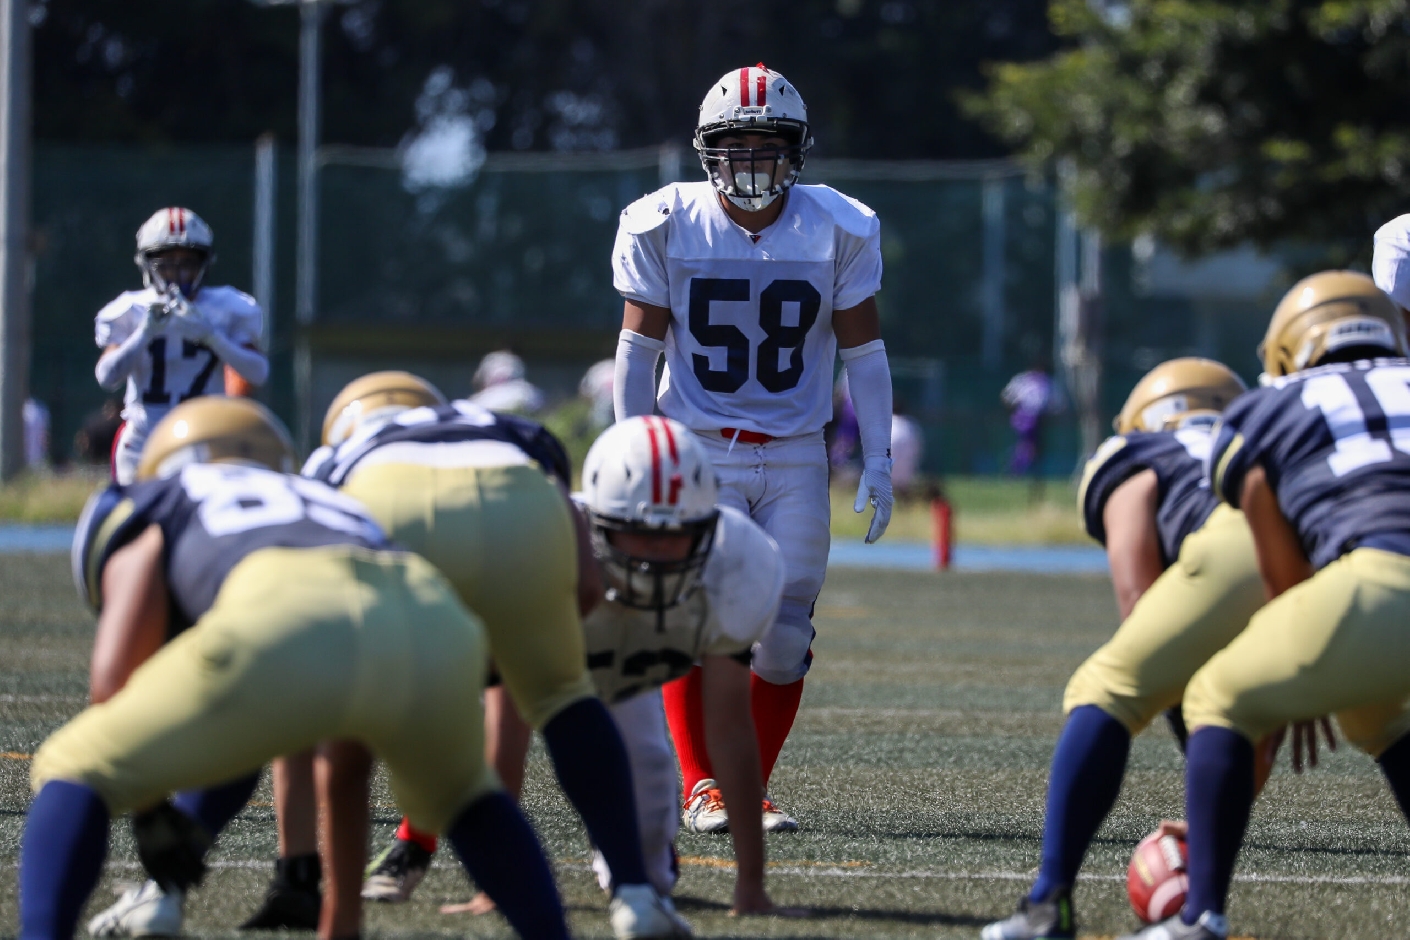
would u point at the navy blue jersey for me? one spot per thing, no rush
(1335, 445)
(1184, 499)
(420, 432)
(211, 517)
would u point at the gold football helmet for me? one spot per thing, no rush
(1327, 312)
(214, 429)
(1175, 391)
(376, 394)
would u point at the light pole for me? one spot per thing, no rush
(14, 231)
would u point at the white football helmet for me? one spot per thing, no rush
(757, 100)
(648, 475)
(174, 228)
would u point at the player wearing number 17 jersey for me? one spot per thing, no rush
(750, 284)
(168, 342)
(1320, 466)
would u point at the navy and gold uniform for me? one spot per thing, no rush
(1208, 591)
(293, 621)
(1331, 443)
(478, 494)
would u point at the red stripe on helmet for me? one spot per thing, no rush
(171, 221)
(744, 87)
(670, 441)
(655, 462)
(761, 85)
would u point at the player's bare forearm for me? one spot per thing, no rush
(734, 754)
(857, 325)
(343, 771)
(133, 624)
(646, 319)
(589, 576)
(1281, 560)
(1132, 540)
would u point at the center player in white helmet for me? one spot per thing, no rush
(751, 284)
(167, 341)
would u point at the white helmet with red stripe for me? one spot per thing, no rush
(754, 100)
(169, 229)
(649, 476)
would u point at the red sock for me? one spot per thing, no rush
(774, 708)
(685, 713)
(409, 833)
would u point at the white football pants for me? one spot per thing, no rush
(642, 722)
(127, 453)
(782, 485)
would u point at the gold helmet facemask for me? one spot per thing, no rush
(377, 394)
(1179, 393)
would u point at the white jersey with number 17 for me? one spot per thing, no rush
(175, 368)
(750, 344)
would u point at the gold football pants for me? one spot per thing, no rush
(1337, 643)
(504, 538)
(300, 646)
(1193, 610)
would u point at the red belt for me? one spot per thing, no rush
(747, 437)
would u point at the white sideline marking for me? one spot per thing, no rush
(923, 874)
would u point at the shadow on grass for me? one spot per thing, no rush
(687, 904)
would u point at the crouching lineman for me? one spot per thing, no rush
(685, 582)
(245, 613)
(166, 341)
(1186, 583)
(1319, 466)
(484, 497)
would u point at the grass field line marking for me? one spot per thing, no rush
(835, 870)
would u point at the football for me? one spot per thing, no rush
(1156, 880)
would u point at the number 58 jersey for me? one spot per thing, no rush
(750, 344)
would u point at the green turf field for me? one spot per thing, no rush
(917, 770)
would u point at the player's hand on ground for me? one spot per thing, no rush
(755, 901)
(1304, 738)
(479, 904)
(1173, 827)
(875, 488)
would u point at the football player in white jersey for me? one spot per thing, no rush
(167, 341)
(686, 581)
(750, 285)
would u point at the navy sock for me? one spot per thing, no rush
(501, 853)
(65, 841)
(1218, 799)
(1088, 764)
(591, 763)
(214, 807)
(1395, 764)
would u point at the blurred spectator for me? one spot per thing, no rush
(596, 387)
(36, 433)
(907, 447)
(94, 441)
(845, 437)
(1029, 396)
(500, 385)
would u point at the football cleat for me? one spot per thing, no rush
(638, 912)
(1048, 919)
(1210, 926)
(705, 809)
(144, 910)
(394, 875)
(286, 907)
(776, 820)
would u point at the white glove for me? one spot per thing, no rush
(191, 322)
(875, 488)
(157, 314)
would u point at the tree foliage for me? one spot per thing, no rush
(879, 75)
(1209, 123)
